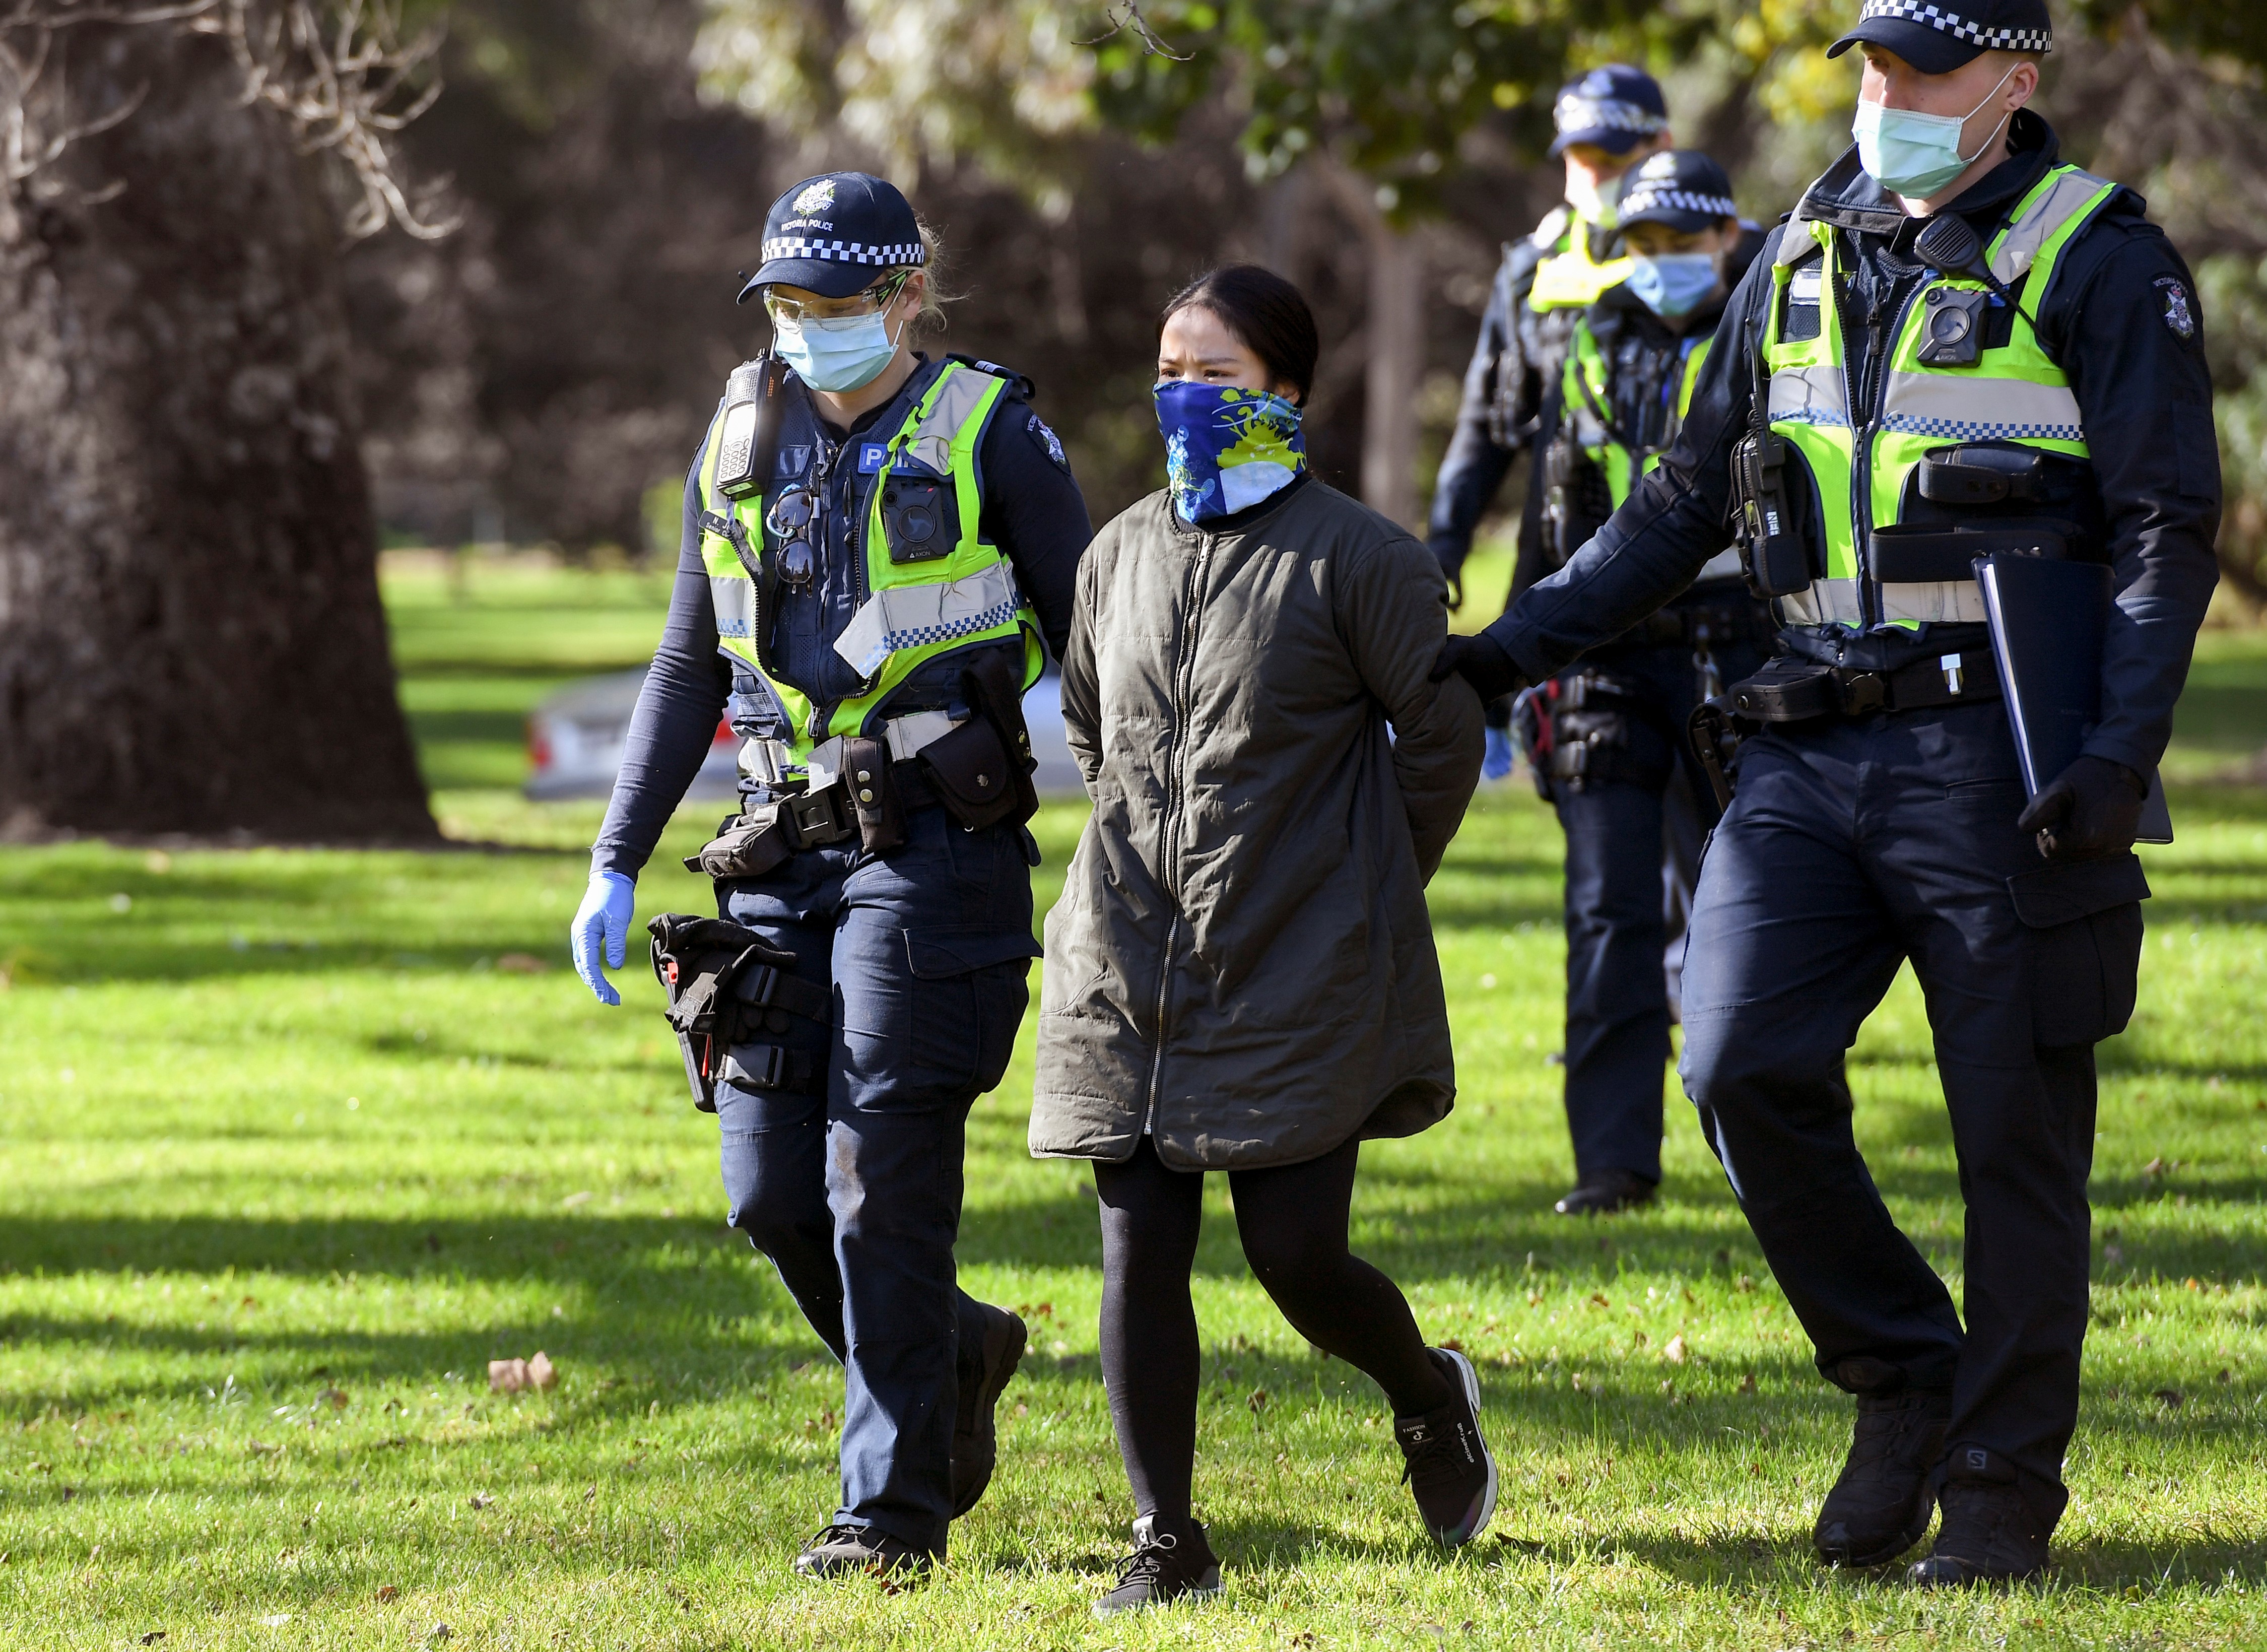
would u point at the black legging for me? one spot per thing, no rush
(1292, 1222)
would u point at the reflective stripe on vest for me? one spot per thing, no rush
(2013, 393)
(1571, 276)
(1589, 387)
(915, 611)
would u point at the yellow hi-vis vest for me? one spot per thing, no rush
(909, 612)
(1588, 401)
(2014, 393)
(1570, 275)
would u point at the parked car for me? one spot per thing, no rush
(576, 735)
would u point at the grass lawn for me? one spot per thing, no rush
(293, 1143)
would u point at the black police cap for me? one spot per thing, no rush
(835, 234)
(1614, 108)
(1680, 187)
(1938, 38)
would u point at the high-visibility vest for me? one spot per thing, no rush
(909, 612)
(1570, 277)
(1588, 402)
(2013, 393)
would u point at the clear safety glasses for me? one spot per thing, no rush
(878, 298)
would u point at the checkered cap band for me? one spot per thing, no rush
(843, 252)
(1574, 113)
(1948, 22)
(1644, 198)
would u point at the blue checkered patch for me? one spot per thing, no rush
(1981, 430)
(989, 620)
(1810, 415)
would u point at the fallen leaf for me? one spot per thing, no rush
(276, 1620)
(481, 1500)
(335, 1396)
(1673, 1350)
(2154, 1167)
(1747, 1384)
(507, 1377)
(539, 1371)
(1258, 1401)
(2173, 1398)
(440, 1632)
(522, 964)
(153, 1637)
(577, 1199)
(261, 1448)
(387, 1591)
(1746, 1282)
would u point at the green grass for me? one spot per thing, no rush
(291, 1147)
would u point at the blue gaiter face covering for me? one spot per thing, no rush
(839, 355)
(1673, 283)
(1226, 449)
(1915, 155)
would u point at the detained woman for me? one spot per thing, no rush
(1240, 974)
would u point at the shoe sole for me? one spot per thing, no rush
(1203, 1590)
(996, 1378)
(1471, 1379)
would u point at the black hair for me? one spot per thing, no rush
(1266, 313)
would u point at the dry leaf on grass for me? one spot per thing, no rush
(1673, 1350)
(521, 964)
(507, 1377)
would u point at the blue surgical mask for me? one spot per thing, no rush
(1915, 155)
(841, 354)
(1226, 449)
(1673, 283)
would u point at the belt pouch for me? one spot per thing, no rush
(995, 687)
(970, 769)
(1786, 690)
(745, 845)
(1913, 555)
(867, 775)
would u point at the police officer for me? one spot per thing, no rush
(1606, 121)
(875, 543)
(1605, 740)
(1878, 817)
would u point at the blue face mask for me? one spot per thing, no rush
(842, 354)
(1673, 283)
(1226, 449)
(1915, 155)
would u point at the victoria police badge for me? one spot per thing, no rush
(2180, 316)
(817, 198)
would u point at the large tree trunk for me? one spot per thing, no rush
(1397, 361)
(190, 633)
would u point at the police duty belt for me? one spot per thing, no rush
(729, 987)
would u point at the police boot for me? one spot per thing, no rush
(1991, 1534)
(1880, 1506)
(1603, 1192)
(843, 1551)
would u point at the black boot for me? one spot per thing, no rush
(1880, 1506)
(975, 1438)
(1602, 1193)
(1991, 1534)
(842, 1551)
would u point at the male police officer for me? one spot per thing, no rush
(1606, 738)
(1606, 121)
(1877, 817)
(874, 544)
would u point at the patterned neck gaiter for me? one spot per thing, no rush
(1226, 449)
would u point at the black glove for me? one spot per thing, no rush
(1452, 564)
(1480, 663)
(2091, 809)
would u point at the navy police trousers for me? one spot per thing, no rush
(1853, 846)
(855, 1195)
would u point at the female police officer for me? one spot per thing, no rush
(870, 603)
(1879, 815)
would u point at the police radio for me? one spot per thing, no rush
(748, 439)
(1773, 553)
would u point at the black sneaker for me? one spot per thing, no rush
(1164, 1566)
(1604, 1191)
(840, 1550)
(1451, 1472)
(1990, 1533)
(975, 1438)
(1881, 1505)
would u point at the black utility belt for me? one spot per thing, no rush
(1744, 621)
(1904, 556)
(1790, 690)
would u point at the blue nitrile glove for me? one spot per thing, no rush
(1497, 763)
(604, 916)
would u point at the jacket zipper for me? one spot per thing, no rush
(1184, 657)
(1876, 381)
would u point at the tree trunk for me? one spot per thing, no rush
(1396, 360)
(190, 633)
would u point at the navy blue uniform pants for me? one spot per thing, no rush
(1633, 836)
(1850, 847)
(855, 1195)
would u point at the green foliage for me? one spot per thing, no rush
(2236, 27)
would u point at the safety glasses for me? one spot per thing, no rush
(789, 520)
(879, 296)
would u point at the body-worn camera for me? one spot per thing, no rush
(920, 519)
(1952, 329)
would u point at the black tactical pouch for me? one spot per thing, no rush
(982, 770)
(2085, 924)
(745, 845)
(727, 988)
(872, 785)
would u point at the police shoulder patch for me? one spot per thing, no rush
(2179, 309)
(1047, 439)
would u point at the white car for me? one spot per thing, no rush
(576, 735)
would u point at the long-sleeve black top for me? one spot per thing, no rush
(1033, 512)
(2122, 319)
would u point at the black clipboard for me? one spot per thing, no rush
(2050, 621)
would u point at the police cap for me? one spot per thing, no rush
(1680, 187)
(1938, 38)
(835, 234)
(1616, 108)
